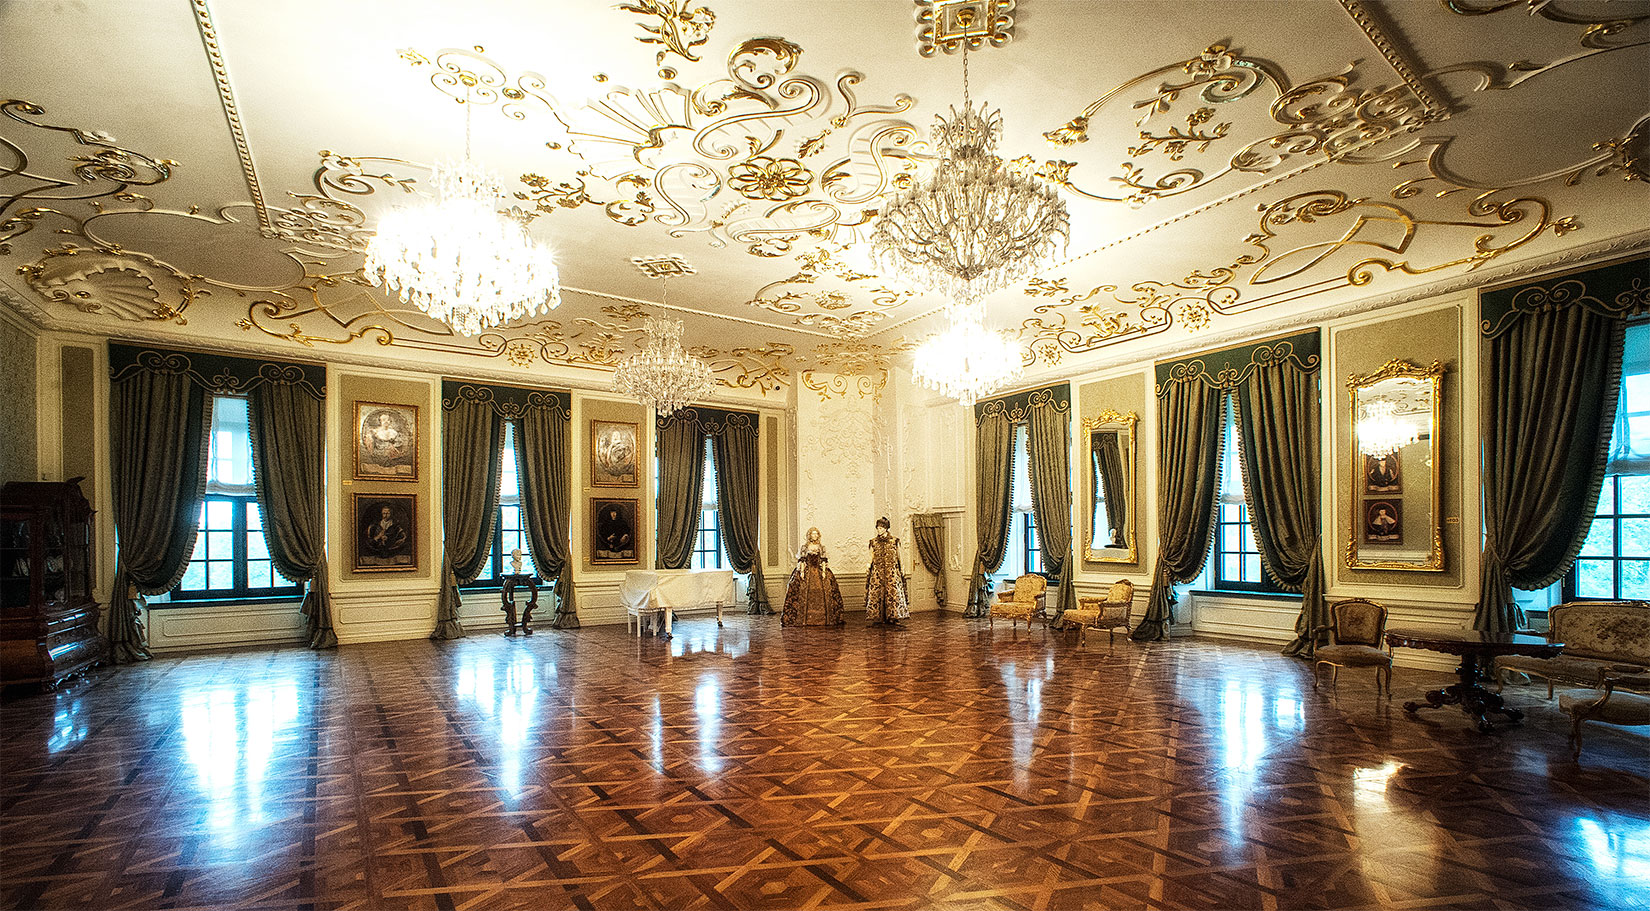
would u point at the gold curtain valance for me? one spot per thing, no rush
(1227, 368)
(1017, 407)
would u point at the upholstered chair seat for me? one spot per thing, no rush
(1356, 639)
(1110, 613)
(1025, 603)
(1597, 637)
(1612, 705)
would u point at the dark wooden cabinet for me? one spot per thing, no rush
(48, 620)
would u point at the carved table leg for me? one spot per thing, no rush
(507, 594)
(527, 612)
(1471, 696)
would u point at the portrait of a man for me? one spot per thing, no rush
(1384, 522)
(386, 441)
(612, 531)
(385, 533)
(613, 455)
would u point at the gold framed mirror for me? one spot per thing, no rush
(1112, 506)
(1395, 520)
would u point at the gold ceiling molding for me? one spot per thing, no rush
(104, 171)
(1600, 35)
(673, 26)
(764, 158)
(661, 266)
(1627, 155)
(231, 111)
(760, 367)
(1327, 118)
(825, 285)
(952, 25)
(851, 367)
(1395, 58)
(127, 286)
(469, 76)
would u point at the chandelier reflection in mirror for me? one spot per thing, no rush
(977, 224)
(1381, 431)
(459, 259)
(663, 375)
(967, 361)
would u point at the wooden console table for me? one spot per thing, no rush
(1477, 650)
(507, 594)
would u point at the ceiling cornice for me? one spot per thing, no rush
(232, 112)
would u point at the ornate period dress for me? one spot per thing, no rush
(812, 597)
(885, 600)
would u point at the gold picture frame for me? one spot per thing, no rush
(615, 455)
(386, 442)
(1410, 537)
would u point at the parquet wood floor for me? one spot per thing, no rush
(943, 765)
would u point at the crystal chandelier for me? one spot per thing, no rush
(461, 260)
(977, 224)
(967, 361)
(1380, 430)
(663, 375)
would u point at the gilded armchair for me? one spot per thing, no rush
(1356, 639)
(1024, 602)
(1110, 613)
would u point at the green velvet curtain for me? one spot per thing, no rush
(542, 454)
(1278, 417)
(1188, 477)
(681, 489)
(158, 442)
(928, 532)
(994, 462)
(1048, 452)
(472, 442)
(288, 424)
(1552, 391)
(734, 446)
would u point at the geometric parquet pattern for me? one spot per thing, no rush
(941, 766)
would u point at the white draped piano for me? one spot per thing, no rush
(655, 594)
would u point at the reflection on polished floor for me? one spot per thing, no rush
(758, 767)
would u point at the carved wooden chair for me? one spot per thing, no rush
(1023, 602)
(1110, 613)
(1610, 705)
(1357, 633)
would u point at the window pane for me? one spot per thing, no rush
(1249, 538)
(194, 578)
(1600, 539)
(1229, 569)
(258, 574)
(1594, 579)
(220, 574)
(1251, 569)
(510, 520)
(220, 545)
(1228, 538)
(254, 516)
(200, 546)
(509, 479)
(230, 461)
(527, 563)
(1635, 537)
(1635, 495)
(220, 515)
(1635, 579)
(257, 548)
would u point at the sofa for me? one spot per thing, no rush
(1598, 637)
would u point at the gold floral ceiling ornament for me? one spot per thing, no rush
(976, 224)
(950, 25)
(458, 258)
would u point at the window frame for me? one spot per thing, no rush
(1607, 512)
(492, 572)
(1244, 523)
(708, 552)
(240, 591)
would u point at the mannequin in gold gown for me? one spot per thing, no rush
(812, 597)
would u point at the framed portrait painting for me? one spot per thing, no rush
(1383, 474)
(1384, 522)
(613, 530)
(613, 454)
(386, 442)
(386, 532)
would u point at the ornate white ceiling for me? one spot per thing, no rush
(208, 172)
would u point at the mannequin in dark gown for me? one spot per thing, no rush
(812, 597)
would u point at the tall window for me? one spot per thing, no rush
(1237, 559)
(509, 532)
(231, 558)
(1023, 553)
(707, 546)
(1615, 559)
